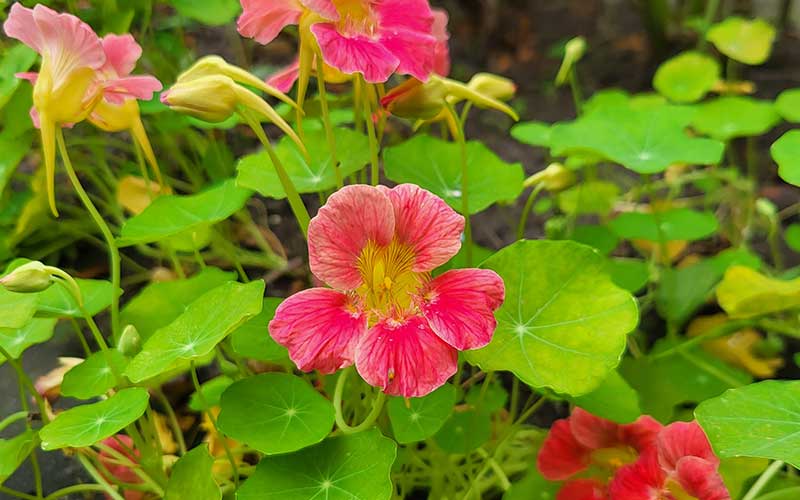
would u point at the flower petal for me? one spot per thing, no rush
(68, 40)
(320, 328)
(700, 479)
(357, 54)
(426, 223)
(324, 8)
(641, 434)
(641, 480)
(411, 15)
(460, 305)
(405, 359)
(353, 216)
(263, 20)
(415, 52)
(122, 52)
(138, 87)
(683, 439)
(20, 25)
(592, 431)
(561, 455)
(284, 79)
(441, 52)
(582, 489)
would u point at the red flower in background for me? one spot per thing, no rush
(123, 445)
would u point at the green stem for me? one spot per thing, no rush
(132, 466)
(575, 89)
(368, 95)
(711, 13)
(113, 251)
(79, 333)
(92, 470)
(763, 480)
(377, 407)
(326, 119)
(523, 220)
(69, 490)
(462, 146)
(720, 331)
(295, 202)
(172, 419)
(17, 494)
(26, 384)
(12, 418)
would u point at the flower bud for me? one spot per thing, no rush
(130, 342)
(457, 91)
(415, 99)
(494, 86)
(573, 52)
(210, 98)
(556, 177)
(29, 278)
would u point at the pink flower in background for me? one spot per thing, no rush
(441, 51)
(373, 37)
(122, 52)
(681, 465)
(402, 328)
(123, 445)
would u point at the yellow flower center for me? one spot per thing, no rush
(389, 283)
(676, 491)
(356, 17)
(614, 458)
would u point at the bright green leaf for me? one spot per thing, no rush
(192, 477)
(275, 413)
(16, 59)
(687, 77)
(744, 293)
(741, 471)
(94, 376)
(598, 237)
(13, 150)
(16, 309)
(788, 105)
(533, 133)
(17, 340)
(465, 431)
(195, 333)
(533, 487)
(211, 392)
(589, 198)
(210, 12)
(435, 165)
(629, 274)
(563, 324)
(175, 214)
(746, 41)
(786, 153)
(346, 467)
(614, 400)
(760, 420)
(352, 151)
(729, 117)
(417, 419)
(792, 237)
(252, 339)
(672, 225)
(14, 451)
(58, 302)
(88, 424)
(488, 399)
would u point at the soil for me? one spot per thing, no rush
(515, 38)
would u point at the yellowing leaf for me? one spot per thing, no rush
(135, 193)
(744, 293)
(673, 249)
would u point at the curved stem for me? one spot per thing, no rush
(92, 470)
(12, 418)
(326, 118)
(377, 407)
(523, 220)
(16, 494)
(763, 480)
(78, 488)
(25, 383)
(113, 251)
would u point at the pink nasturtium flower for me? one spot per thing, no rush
(585, 443)
(681, 466)
(123, 445)
(373, 37)
(376, 248)
(78, 70)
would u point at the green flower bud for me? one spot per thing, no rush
(573, 52)
(29, 278)
(415, 99)
(494, 86)
(130, 342)
(556, 177)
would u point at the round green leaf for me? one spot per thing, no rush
(16, 309)
(465, 431)
(346, 467)
(563, 324)
(436, 166)
(645, 139)
(175, 214)
(14, 451)
(88, 424)
(726, 118)
(678, 224)
(786, 153)
(416, 419)
(16, 340)
(533, 487)
(195, 333)
(589, 198)
(275, 413)
(211, 12)
(595, 236)
(94, 376)
(212, 393)
(192, 477)
(533, 133)
(629, 274)
(746, 41)
(309, 176)
(687, 77)
(614, 400)
(253, 340)
(494, 398)
(759, 420)
(58, 302)
(792, 237)
(788, 105)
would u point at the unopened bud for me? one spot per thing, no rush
(495, 86)
(29, 278)
(130, 342)
(573, 52)
(415, 99)
(210, 98)
(556, 177)
(457, 91)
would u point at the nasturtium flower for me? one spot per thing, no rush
(120, 472)
(371, 37)
(385, 313)
(441, 50)
(590, 445)
(681, 466)
(583, 489)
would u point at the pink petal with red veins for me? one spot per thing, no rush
(263, 20)
(411, 15)
(641, 480)
(582, 489)
(353, 216)
(415, 51)
(641, 434)
(405, 359)
(683, 439)
(139, 87)
(460, 305)
(284, 79)
(700, 479)
(324, 8)
(357, 54)
(592, 431)
(561, 455)
(320, 328)
(122, 52)
(426, 223)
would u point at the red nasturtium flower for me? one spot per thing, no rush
(376, 248)
(371, 37)
(681, 466)
(585, 443)
(123, 445)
